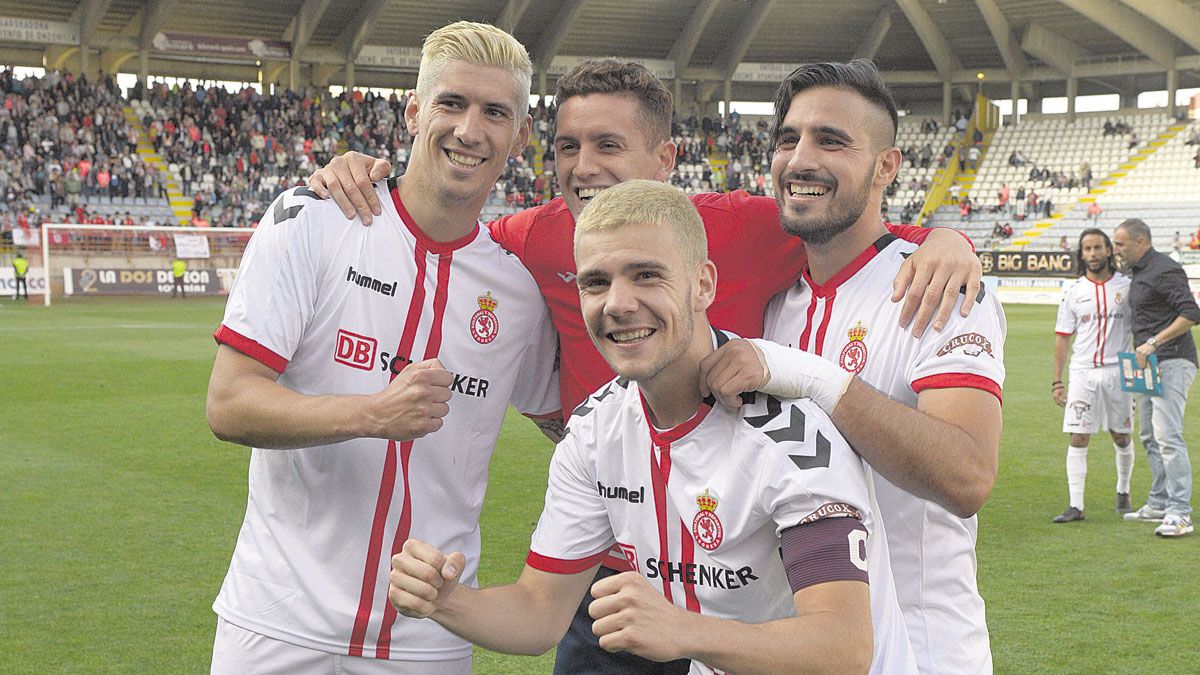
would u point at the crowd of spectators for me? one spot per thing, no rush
(64, 141)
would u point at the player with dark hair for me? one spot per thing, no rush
(1095, 311)
(923, 411)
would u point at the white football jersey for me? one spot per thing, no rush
(851, 321)
(698, 509)
(338, 308)
(1099, 316)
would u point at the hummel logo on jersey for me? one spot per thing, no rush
(354, 350)
(364, 281)
(637, 496)
(700, 574)
(567, 276)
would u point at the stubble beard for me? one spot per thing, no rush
(818, 230)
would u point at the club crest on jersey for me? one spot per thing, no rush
(706, 526)
(484, 324)
(854, 354)
(1118, 298)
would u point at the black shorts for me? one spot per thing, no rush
(579, 653)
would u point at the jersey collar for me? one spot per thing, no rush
(422, 238)
(831, 286)
(666, 437)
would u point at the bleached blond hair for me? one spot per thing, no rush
(479, 44)
(647, 202)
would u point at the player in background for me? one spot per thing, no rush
(753, 533)
(178, 270)
(371, 369)
(613, 124)
(923, 411)
(1095, 310)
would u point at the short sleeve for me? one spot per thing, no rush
(573, 532)
(968, 353)
(274, 293)
(1066, 322)
(818, 477)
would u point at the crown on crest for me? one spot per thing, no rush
(858, 332)
(486, 301)
(706, 501)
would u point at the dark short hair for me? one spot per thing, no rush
(1136, 227)
(610, 76)
(1112, 263)
(859, 75)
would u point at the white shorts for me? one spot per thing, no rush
(1096, 403)
(237, 651)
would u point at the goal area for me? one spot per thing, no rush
(95, 260)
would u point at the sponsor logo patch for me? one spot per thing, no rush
(854, 354)
(706, 526)
(484, 324)
(630, 553)
(832, 510)
(354, 350)
(972, 344)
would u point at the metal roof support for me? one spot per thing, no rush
(554, 34)
(1177, 18)
(685, 44)
(352, 38)
(875, 34)
(1141, 33)
(511, 15)
(944, 58)
(732, 55)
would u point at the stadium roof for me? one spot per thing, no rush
(1110, 45)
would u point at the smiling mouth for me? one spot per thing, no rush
(628, 336)
(459, 159)
(586, 194)
(808, 190)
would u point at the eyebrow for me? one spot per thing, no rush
(823, 129)
(460, 98)
(639, 266)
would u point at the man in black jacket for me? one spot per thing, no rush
(1164, 311)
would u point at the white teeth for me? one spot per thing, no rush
(808, 190)
(588, 193)
(463, 159)
(630, 335)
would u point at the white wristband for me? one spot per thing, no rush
(796, 374)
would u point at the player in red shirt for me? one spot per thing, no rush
(614, 124)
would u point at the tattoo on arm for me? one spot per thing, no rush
(552, 427)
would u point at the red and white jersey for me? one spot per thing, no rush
(850, 321)
(338, 308)
(698, 509)
(1099, 316)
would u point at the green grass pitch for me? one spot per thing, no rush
(119, 510)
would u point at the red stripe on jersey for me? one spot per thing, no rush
(1099, 320)
(812, 312)
(825, 323)
(660, 473)
(958, 381)
(1102, 334)
(388, 482)
(382, 503)
(689, 558)
(440, 296)
(230, 337)
(561, 566)
(1059, 332)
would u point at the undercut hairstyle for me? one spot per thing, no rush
(858, 75)
(1112, 262)
(610, 76)
(647, 202)
(1136, 228)
(479, 44)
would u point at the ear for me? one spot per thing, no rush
(522, 136)
(706, 285)
(664, 154)
(887, 166)
(410, 113)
